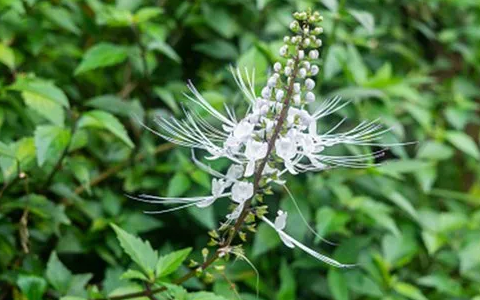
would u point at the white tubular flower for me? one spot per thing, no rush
(243, 130)
(242, 191)
(234, 172)
(291, 242)
(254, 151)
(286, 149)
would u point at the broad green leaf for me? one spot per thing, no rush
(178, 185)
(355, 65)
(433, 241)
(334, 61)
(204, 296)
(165, 49)
(441, 282)
(337, 285)
(41, 88)
(104, 120)
(220, 20)
(218, 49)
(139, 251)
(167, 97)
(6, 151)
(469, 258)
(169, 263)
(48, 109)
(61, 17)
(332, 5)
(24, 159)
(265, 239)
(7, 57)
(399, 249)
(402, 166)
(288, 283)
(402, 202)
(146, 13)
(57, 274)
(409, 291)
(134, 274)
(435, 151)
(464, 142)
(364, 18)
(50, 141)
(100, 56)
(32, 287)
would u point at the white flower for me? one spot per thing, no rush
(266, 92)
(292, 243)
(288, 71)
(243, 130)
(234, 172)
(314, 70)
(301, 54)
(283, 50)
(242, 191)
(279, 95)
(296, 87)
(254, 151)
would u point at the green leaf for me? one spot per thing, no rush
(218, 49)
(139, 251)
(104, 120)
(469, 258)
(7, 57)
(32, 287)
(168, 98)
(356, 65)
(178, 185)
(220, 20)
(435, 151)
(41, 88)
(169, 263)
(204, 296)
(409, 291)
(61, 17)
(336, 56)
(288, 283)
(441, 282)
(265, 239)
(165, 49)
(57, 274)
(364, 18)
(100, 56)
(24, 157)
(337, 285)
(402, 202)
(332, 5)
(134, 274)
(146, 13)
(50, 141)
(463, 142)
(48, 109)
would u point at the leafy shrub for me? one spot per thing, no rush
(76, 75)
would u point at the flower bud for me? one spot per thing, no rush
(309, 84)
(302, 73)
(294, 26)
(279, 95)
(296, 99)
(306, 42)
(314, 70)
(286, 39)
(266, 92)
(313, 54)
(309, 97)
(296, 88)
(283, 50)
(318, 43)
(277, 66)
(272, 81)
(301, 54)
(288, 71)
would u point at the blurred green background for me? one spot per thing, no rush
(74, 73)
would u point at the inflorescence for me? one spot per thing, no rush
(277, 135)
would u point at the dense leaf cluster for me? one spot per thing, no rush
(77, 76)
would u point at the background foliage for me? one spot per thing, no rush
(75, 75)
